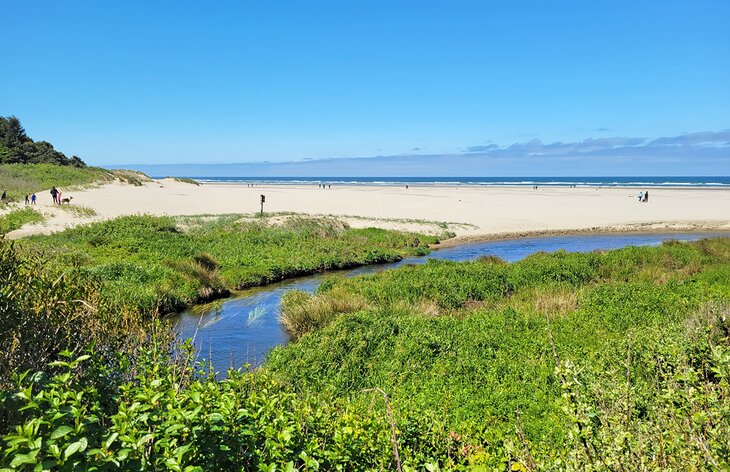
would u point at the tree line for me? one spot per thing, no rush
(16, 147)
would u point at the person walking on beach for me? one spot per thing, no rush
(27, 199)
(641, 196)
(54, 194)
(32, 199)
(646, 196)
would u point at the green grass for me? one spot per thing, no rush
(16, 218)
(151, 262)
(185, 180)
(22, 179)
(610, 361)
(78, 210)
(131, 177)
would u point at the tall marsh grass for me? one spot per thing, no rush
(302, 313)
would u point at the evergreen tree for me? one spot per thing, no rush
(17, 147)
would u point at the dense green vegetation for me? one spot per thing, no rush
(471, 344)
(162, 264)
(16, 147)
(18, 217)
(602, 361)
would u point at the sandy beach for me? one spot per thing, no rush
(473, 212)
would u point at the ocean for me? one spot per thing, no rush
(699, 181)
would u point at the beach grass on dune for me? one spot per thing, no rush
(78, 210)
(23, 179)
(154, 263)
(185, 180)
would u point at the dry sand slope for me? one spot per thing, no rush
(483, 212)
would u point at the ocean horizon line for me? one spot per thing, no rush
(552, 181)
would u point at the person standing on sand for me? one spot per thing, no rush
(27, 199)
(32, 199)
(54, 194)
(646, 196)
(641, 196)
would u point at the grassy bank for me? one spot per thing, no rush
(162, 264)
(601, 361)
(22, 179)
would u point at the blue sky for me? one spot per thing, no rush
(175, 82)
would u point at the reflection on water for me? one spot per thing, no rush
(241, 330)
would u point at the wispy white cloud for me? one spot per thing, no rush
(703, 142)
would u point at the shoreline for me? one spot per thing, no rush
(449, 185)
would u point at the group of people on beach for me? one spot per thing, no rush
(644, 196)
(28, 198)
(324, 186)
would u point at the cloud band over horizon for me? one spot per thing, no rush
(701, 153)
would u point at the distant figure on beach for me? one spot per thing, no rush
(27, 199)
(58, 197)
(641, 196)
(54, 194)
(406, 186)
(32, 199)
(329, 186)
(646, 196)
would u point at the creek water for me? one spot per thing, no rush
(242, 329)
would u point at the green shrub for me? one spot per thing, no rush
(16, 218)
